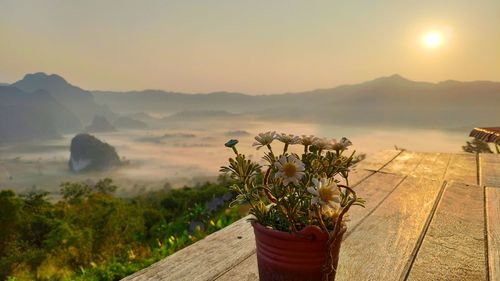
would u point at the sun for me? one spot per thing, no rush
(432, 39)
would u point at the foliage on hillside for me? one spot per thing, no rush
(92, 235)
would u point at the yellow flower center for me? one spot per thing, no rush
(289, 170)
(326, 193)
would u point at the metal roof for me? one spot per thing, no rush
(491, 134)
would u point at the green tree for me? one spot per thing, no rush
(10, 227)
(92, 235)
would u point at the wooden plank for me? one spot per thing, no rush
(374, 162)
(453, 248)
(379, 249)
(462, 168)
(404, 163)
(245, 271)
(493, 226)
(374, 190)
(489, 169)
(371, 165)
(205, 259)
(356, 176)
(433, 166)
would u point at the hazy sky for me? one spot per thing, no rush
(247, 46)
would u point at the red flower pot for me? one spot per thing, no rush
(297, 256)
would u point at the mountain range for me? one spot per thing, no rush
(26, 116)
(42, 106)
(391, 101)
(79, 101)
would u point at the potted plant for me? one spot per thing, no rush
(298, 204)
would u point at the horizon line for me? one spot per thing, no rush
(393, 76)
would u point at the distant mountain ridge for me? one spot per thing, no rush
(26, 116)
(41, 106)
(79, 101)
(391, 100)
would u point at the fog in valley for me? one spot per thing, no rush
(185, 153)
(178, 139)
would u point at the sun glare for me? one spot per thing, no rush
(432, 39)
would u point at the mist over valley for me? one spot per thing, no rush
(178, 138)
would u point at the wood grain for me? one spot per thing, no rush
(462, 168)
(453, 248)
(493, 226)
(489, 169)
(206, 259)
(405, 163)
(358, 175)
(371, 165)
(432, 166)
(374, 190)
(376, 161)
(245, 271)
(382, 244)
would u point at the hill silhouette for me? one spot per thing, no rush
(99, 125)
(41, 106)
(37, 115)
(79, 101)
(391, 100)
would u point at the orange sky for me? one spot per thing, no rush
(246, 46)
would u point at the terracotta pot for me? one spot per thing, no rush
(293, 256)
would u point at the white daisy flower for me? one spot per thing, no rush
(264, 139)
(325, 193)
(308, 140)
(290, 169)
(322, 143)
(341, 145)
(288, 139)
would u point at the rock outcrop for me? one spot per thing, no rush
(90, 154)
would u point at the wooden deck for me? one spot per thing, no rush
(429, 216)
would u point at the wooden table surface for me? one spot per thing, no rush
(429, 216)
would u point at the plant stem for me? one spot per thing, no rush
(285, 148)
(235, 151)
(271, 152)
(267, 191)
(320, 218)
(328, 268)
